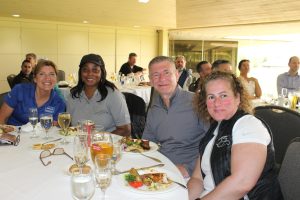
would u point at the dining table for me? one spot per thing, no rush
(143, 91)
(23, 176)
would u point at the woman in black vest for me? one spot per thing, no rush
(237, 155)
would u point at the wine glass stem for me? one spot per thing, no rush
(103, 191)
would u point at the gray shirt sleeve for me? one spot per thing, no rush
(280, 83)
(148, 133)
(118, 108)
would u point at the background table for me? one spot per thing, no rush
(24, 177)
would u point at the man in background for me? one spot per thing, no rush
(290, 79)
(222, 65)
(171, 119)
(130, 67)
(32, 59)
(180, 63)
(25, 75)
(204, 69)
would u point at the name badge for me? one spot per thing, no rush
(49, 109)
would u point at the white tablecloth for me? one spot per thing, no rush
(22, 175)
(142, 91)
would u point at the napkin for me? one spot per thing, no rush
(27, 127)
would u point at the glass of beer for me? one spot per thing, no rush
(101, 143)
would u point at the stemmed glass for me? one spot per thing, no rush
(116, 156)
(64, 120)
(80, 149)
(284, 92)
(83, 185)
(33, 119)
(46, 122)
(103, 172)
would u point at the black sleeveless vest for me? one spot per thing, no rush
(267, 186)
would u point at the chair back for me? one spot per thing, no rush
(61, 75)
(284, 124)
(10, 80)
(2, 95)
(289, 174)
(137, 110)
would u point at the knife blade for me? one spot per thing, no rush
(142, 168)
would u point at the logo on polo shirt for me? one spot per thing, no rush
(49, 109)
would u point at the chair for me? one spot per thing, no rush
(2, 95)
(137, 110)
(289, 174)
(284, 124)
(61, 75)
(10, 80)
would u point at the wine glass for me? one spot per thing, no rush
(103, 172)
(33, 119)
(101, 144)
(284, 92)
(80, 149)
(64, 120)
(46, 122)
(83, 185)
(116, 155)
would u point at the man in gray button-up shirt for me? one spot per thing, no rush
(171, 120)
(290, 79)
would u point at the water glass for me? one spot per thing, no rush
(284, 92)
(46, 123)
(80, 150)
(83, 185)
(33, 119)
(116, 156)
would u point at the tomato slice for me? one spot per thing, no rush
(136, 184)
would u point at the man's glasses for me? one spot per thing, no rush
(47, 153)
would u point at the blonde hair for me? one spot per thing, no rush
(41, 63)
(236, 86)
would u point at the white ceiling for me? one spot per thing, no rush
(186, 19)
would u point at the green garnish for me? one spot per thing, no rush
(130, 177)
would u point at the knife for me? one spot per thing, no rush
(141, 168)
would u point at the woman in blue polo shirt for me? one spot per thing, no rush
(40, 95)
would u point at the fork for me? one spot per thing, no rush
(155, 159)
(116, 172)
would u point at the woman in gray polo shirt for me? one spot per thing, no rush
(97, 99)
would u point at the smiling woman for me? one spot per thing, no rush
(40, 95)
(97, 99)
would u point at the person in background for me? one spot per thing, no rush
(290, 79)
(180, 63)
(97, 99)
(130, 67)
(171, 120)
(222, 65)
(204, 69)
(32, 58)
(236, 158)
(251, 84)
(25, 75)
(40, 95)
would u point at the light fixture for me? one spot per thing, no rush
(85, 21)
(15, 15)
(143, 1)
(136, 26)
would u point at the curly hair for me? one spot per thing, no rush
(236, 86)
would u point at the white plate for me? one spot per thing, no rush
(144, 190)
(153, 148)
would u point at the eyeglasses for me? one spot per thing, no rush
(56, 151)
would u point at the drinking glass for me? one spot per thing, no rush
(284, 92)
(33, 119)
(83, 185)
(116, 156)
(103, 172)
(64, 120)
(101, 144)
(80, 149)
(46, 122)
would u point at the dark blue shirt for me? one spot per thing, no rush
(22, 97)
